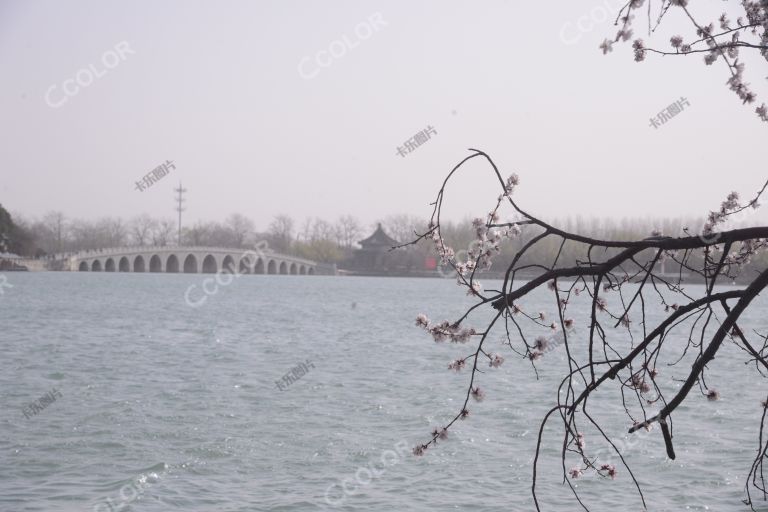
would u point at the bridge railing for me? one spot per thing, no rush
(129, 250)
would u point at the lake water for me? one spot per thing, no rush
(164, 406)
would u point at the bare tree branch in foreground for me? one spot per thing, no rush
(623, 282)
(723, 42)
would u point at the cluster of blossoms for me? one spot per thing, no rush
(512, 182)
(624, 33)
(640, 384)
(755, 22)
(747, 249)
(716, 217)
(440, 433)
(542, 344)
(625, 321)
(445, 330)
(474, 289)
(478, 394)
(640, 50)
(610, 469)
(495, 360)
(486, 244)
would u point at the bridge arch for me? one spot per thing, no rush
(209, 265)
(190, 264)
(172, 264)
(155, 264)
(138, 264)
(228, 265)
(190, 260)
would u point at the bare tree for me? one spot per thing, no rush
(114, 232)
(55, 223)
(347, 231)
(722, 40)
(322, 230)
(86, 235)
(403, 227)
(164, 232)
(240, 227)
(141, 229)
(622, 346)
(199, 234)
(281, 233)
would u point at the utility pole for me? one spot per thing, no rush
(180, 207)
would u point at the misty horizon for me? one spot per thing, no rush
(312, 120)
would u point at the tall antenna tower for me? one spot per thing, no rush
(180, 206)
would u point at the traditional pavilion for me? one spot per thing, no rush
(373, 250)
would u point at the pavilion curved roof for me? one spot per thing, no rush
(378, 239)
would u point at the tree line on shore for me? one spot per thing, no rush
(313, 238)
(316, 238)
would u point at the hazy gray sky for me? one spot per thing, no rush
(232, 92)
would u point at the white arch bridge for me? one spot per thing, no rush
(192, 260)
